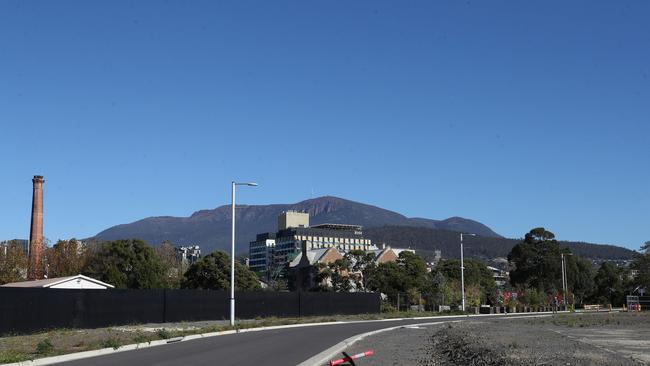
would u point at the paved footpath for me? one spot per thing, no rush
(289, 346)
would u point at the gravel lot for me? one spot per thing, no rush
(567, 339)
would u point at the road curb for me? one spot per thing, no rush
(132, 347)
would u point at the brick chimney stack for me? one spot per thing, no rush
(36, 245)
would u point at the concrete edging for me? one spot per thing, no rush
(340, 346)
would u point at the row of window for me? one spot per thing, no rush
(332, 239)
(344, 247)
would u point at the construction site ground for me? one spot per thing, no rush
(562, 339)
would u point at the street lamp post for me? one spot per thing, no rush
(462, 269)
(232, 252)
(565, 285)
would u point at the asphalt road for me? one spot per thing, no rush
(273, 347)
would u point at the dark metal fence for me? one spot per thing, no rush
(24, 310)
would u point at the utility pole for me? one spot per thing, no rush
(462, 269)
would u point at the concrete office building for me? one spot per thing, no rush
(289, 219)
(276, 249)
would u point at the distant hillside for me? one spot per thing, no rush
(211, 228)
(426, 240)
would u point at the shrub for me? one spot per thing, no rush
(163, 333)
(113, 343)
(44, 347)
(140, 338)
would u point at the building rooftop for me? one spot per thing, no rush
(49, 282)
(313, 255)
(338, 227)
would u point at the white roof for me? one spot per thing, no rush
(49, 282)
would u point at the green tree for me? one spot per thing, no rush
(408, 272)
(127, 264)
(415, 270)
(476, 274)
(609, 285)
(580, 278)
(341, 277)
(641, 267)
(213, 272)
(533, 297)
(13, 263)
(537, 262)
(388, 278)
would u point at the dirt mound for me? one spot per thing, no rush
(461, 347)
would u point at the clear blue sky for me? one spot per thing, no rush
(516, 114)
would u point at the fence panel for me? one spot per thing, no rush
(189, 305)
(331, 303)
(102, 308)
(253, 304)
(29, 310)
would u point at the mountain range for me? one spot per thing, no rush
(211, 228)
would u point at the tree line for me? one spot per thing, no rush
(534, 265)
(535, 269)
(536, 272)
(129, 264)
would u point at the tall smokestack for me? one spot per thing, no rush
(36, 245)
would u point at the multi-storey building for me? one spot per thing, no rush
(188, 255)
(260, 252)
(270, 250)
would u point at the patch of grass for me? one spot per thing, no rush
(13, 356)
(514, 345)
(140, 338)
(62, 331)
(44, 347)
(163, 333)
(112, 342)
